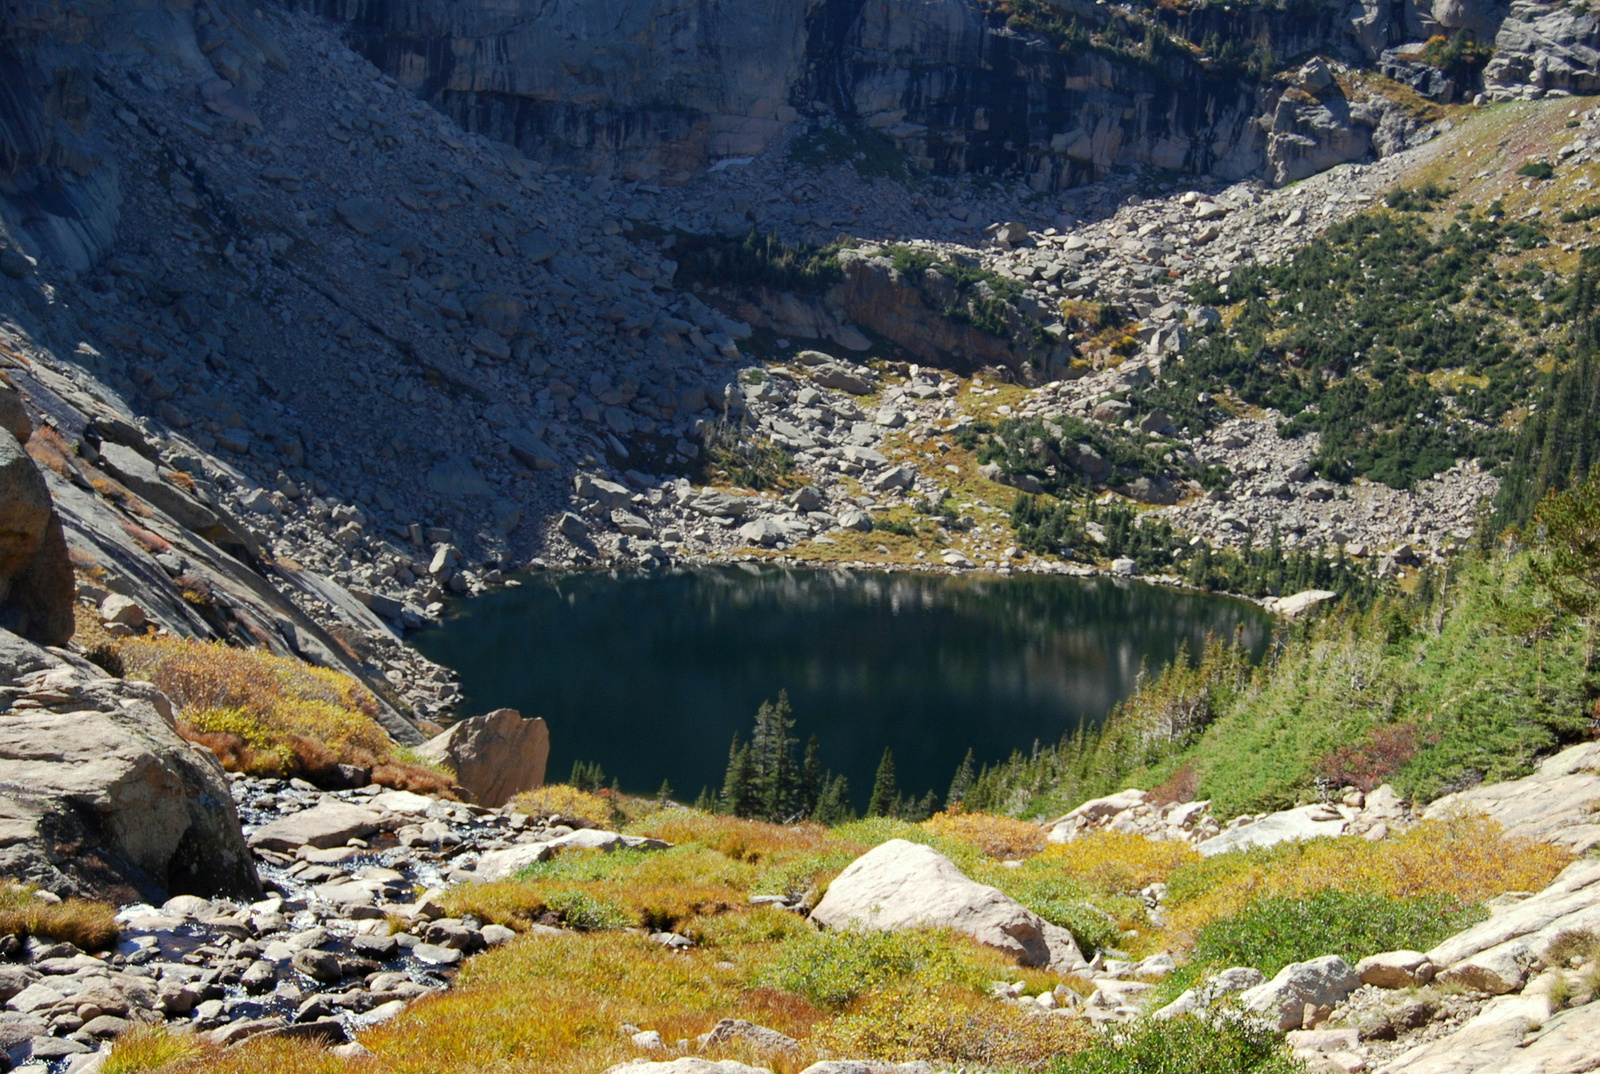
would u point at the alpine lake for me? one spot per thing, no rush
(651, 675)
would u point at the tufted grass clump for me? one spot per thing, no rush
(832, 968)
(745, 927)
(150, 1048)
(552, 1004)
(593, 889)
(1116, 863)
(274, 716)
(754, 841)
(156, 1051)
(951, 1026)
(89, 925)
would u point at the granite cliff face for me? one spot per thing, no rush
(1061, 92)
(661, 89)
(959, 90)
(652, 89)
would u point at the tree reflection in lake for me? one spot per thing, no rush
(651, 674)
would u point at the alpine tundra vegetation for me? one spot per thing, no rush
(334, 334)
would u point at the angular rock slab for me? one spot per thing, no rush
(1553, 804)
(902, 885)
(1494, 955)
(495, 756)
(1512, 1035)
(330, 824)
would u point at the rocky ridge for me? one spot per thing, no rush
(347, 361)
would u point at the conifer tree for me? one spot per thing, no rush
(738, 785)
(812, 779)
(775, 789)
(885, 798)
(833, 804)
(706, 802)
(587, 776)
(961, 783)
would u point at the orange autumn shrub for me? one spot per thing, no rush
(1117, 863)
(1004, 838)
(1468, 858)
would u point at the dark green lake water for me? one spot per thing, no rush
(651, 674)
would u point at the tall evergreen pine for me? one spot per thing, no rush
(885, 800)
(738, 786)
(833, 805)
(961, 783)
(776, 780)
(812, 779)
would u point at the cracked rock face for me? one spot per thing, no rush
(36, 585)
(99, 796)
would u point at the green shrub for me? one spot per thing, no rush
(870, 153)
(756, 261)
(1070, 905)
(1187, 1045)
(1271, 933)
(832, 968)
(1348, 340)
(90, 925)
(1417, 199)
(1537, 169)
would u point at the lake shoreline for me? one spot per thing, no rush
(1002, 659)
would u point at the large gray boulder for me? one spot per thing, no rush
(1321, 982)
(36, 585)
(495, 756)
(902, 885)
(145, 479)
(100, 796)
